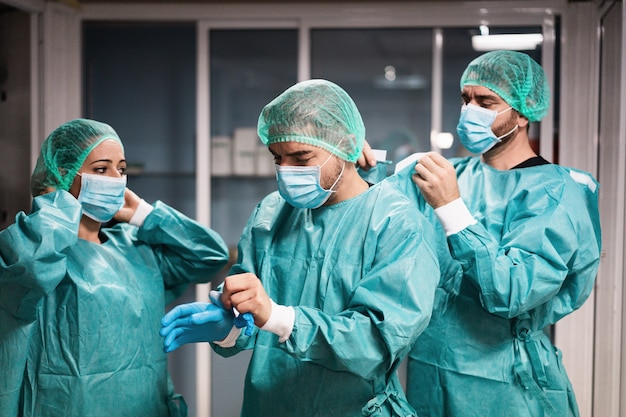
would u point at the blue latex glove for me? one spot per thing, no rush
(244, 320)
(241, 320)
(195, 322)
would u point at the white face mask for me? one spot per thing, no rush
(101, 196)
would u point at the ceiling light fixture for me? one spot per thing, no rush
(511, 42)
(390, 73)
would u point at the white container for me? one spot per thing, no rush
(264, 162)
(245, 143)
(221, 156)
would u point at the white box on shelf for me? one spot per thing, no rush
(264, 162)
(221, 156)
(245, 141)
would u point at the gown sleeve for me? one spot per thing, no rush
(32, 258)
(32, 264)
(543, 254)
(387, 311)
(548, 253)
(188, 252)
(383, 314)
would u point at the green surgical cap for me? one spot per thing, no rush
(318, 113)
(515, 77)
(64, 151)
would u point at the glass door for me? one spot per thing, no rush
(140, 79)
(388, 74)
(405, 81)
(247, 69)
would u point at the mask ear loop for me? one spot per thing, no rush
(340, 174)
(338, 178)
(327, 159)
(81, 182)
(499, 138)
(504, 111)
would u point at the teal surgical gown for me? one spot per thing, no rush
(361, 276)
(530, 260)
(79, 322)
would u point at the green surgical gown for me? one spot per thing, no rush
(79, 322)
(530, 260)
(361, 276)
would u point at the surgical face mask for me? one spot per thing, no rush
(300, 185)
(474, 128)
(101, 196)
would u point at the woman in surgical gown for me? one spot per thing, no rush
(80, 304)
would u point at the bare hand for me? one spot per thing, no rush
(436, 178)
(367, 159)
(131, 202)
(245, 292)
(47, 190)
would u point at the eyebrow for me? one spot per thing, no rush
(481, 97)
(299, 153)
(487, 97)
(110, 161)
(295, 153)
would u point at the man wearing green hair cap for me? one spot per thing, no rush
(80, 298)
(339, 275)
(519, 250)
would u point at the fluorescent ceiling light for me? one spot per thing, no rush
(400, 82)
(512, 42)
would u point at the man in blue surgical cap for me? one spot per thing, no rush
(338, 275)
(520, 247)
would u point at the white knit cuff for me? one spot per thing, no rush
(141, 213)
(281, 321)
(454, 216)
(230, 339)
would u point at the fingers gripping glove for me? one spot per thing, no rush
(241, 320)
(195, 322)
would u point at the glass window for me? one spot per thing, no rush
(141, 79)
(388, 74)
(248, 68)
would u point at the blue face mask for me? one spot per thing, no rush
(101, 196)
(300, 186)
(474, 128)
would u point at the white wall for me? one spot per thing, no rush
(610, 349)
